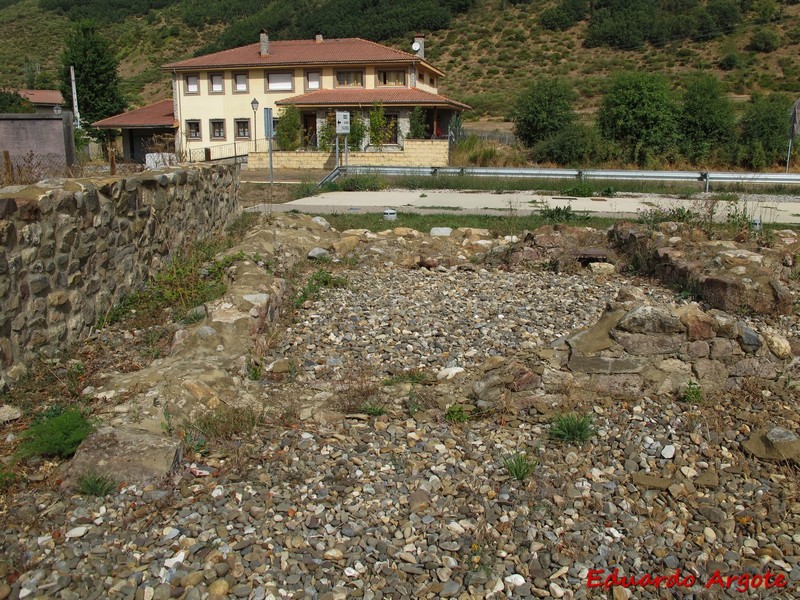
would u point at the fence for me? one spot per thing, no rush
(706, 178)
(27, 168)
(235, 150)
(506, 138)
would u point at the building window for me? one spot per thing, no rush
(432, 81)
(217, 129)
(193, 130)
(279, 82)
(395, 78)
(192, 84)
(240, 83)
(313, 80)
(216, 83)
(242, 129)
(350, 78)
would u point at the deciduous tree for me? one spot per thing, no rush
(542, 110)
(96, 79)
(640, 113)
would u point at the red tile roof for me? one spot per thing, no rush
(159, 114)
(42, 96)
(399, 96)
(301, 52)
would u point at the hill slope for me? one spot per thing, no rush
(489, 52)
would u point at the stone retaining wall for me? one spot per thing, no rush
(70, 253)
(415, 153)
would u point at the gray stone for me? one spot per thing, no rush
(128, 455)
(651, 319)
(640, 344)
(748, 339)
(316, 253)
(441, 231)
(322, 222)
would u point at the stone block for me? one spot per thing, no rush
(599, 364)
(651, 319)
(641, 344)
(128, 455)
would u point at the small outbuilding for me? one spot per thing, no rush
(150, 129)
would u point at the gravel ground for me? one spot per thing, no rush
(412, 506)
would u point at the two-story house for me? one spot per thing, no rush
(219, 98)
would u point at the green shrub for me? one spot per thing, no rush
(456, 414)
(572, 428)
(519, 466)
(579, 190)
(573, 145)
(58, 436)
(419, 123)
(765, 40)
(7, 479)
(288, 133)
(373, 409)
(731, 61)
(361, 183)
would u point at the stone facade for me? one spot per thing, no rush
(68, 254)
(415, 153)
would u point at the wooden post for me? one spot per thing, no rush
(112, 158)
(8, 168)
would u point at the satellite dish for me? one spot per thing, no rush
(416, 46)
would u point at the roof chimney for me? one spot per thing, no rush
(318, 38)
(263, 38)
(419, 45)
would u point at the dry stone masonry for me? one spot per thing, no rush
(71, 249)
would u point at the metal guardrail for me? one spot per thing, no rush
(706, 178)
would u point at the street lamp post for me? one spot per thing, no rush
(57, 110)
(254, 106)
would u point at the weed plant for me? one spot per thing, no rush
(56, 436)
(319, 280)
(693, 393)
(519, 466)
(225, 423)
(373, 409)
(456, 414)
(572, 427)
(94, 484)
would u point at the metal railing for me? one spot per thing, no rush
(235, 150)
(706, 178)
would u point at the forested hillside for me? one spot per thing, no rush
(490, 49)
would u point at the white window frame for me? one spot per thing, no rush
(309, 86)
(212, 87)
(283, 82)
(236, 88)
(186, 83)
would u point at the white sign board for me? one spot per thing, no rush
(342, 122)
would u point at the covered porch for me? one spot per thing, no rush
(147, 130)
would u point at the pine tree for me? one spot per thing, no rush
(96, 79)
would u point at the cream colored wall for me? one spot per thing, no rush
(415, 153)
(230, 106)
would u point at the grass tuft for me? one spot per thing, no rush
(519, 466)
(572, 427)
(94, 484)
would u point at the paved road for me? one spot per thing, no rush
(770, 209)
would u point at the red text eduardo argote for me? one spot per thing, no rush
(743, 582)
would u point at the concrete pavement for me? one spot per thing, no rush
(769, 208)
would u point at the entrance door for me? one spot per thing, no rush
(310, 129)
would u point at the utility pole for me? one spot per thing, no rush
(794, 130)
(74, 97)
